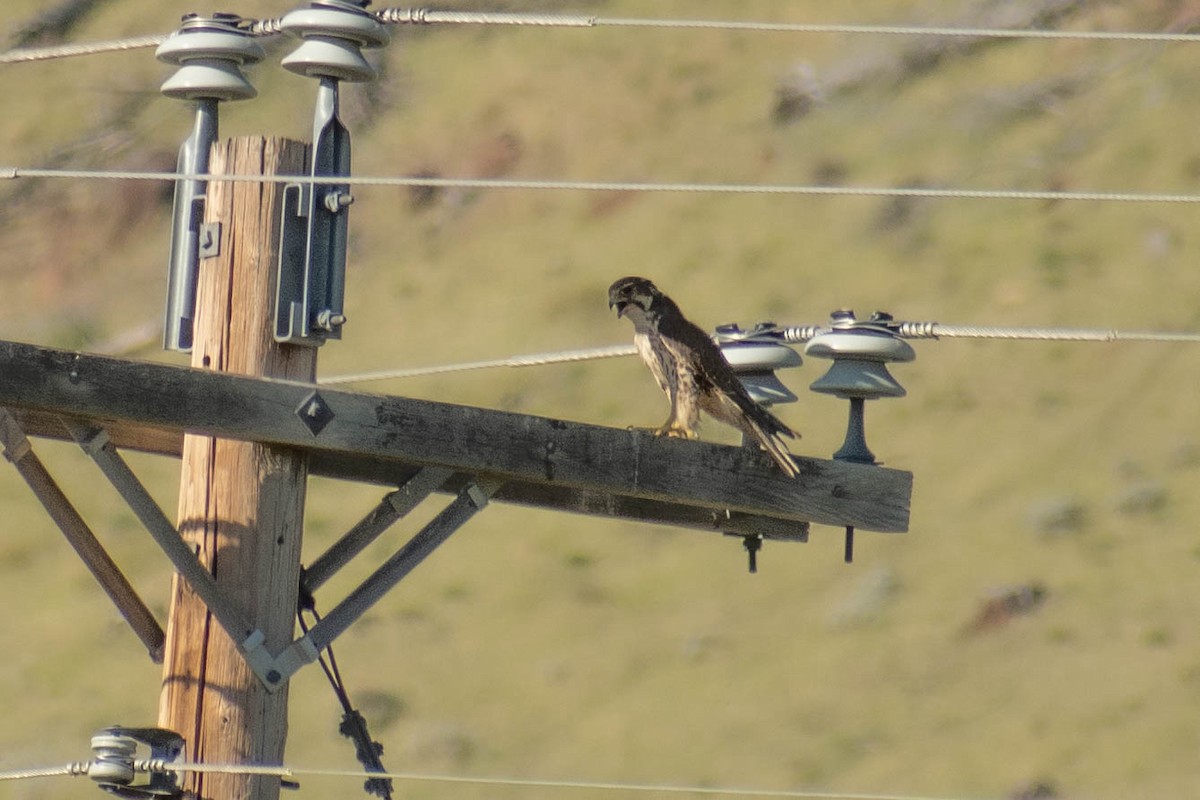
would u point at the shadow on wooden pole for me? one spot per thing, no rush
(241, 504)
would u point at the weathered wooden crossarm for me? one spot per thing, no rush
(390, 472)
(576, 462)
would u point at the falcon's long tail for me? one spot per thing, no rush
(766, 429)
(739, 411)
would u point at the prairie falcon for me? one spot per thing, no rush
(691, 370)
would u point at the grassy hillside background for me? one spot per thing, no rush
(550, 646)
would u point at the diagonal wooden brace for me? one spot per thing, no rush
(18, 450)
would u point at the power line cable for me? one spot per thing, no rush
(27, 54)
(897, 30)
(536, 359)
(65, 770)
(621, 186)
(934, 330)
(155, 765)
(908, 330)
(791, 335)
(424, 16)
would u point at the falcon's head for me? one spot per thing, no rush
(632, 293)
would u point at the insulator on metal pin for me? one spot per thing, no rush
(860, 351)
(210, 52)
(314, 230)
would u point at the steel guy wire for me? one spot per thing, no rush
(157, 765)
(618, 186)
(791, 335)
(424, 16)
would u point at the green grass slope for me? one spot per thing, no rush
(550, 646)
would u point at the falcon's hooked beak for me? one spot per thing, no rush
(630, 292)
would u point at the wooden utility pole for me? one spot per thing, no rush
(241, 504)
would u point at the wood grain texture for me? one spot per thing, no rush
(392, 473)
(241, 504)
(374, 437)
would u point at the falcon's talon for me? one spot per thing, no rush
(692, 371)
(675, 432)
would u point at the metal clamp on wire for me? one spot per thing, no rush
(210, 52)
(113, 766)
(313, 233)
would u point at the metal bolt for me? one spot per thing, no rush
(336, 200)
(327, 320)
(752, 544)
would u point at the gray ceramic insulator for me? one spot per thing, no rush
(334, 34)
(755, 364)
(859, 363)
(210, 55)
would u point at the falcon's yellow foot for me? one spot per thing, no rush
(675, 430)
(642, 429)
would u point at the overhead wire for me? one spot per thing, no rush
(11, 172)
(27, 54)
(791, 335)
(425, 16)
(428, 16)
(899, 30)
(281, 771)
(72, 769)
(796, 334)
(535, 359)
(934, 330)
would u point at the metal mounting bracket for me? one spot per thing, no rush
(186, 237)
(209, 52)
(313, 233)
